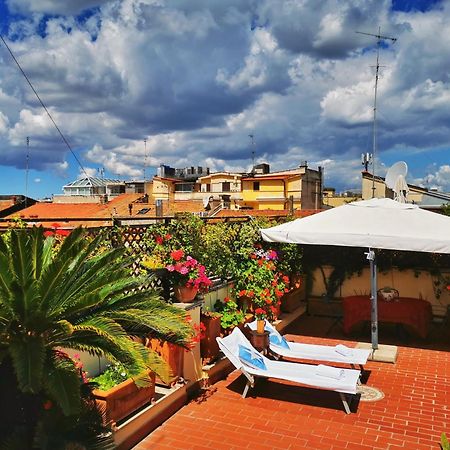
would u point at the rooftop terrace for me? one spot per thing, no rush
(413, 413)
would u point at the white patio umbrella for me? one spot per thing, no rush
(376, 224)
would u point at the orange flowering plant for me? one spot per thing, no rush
(261, 281)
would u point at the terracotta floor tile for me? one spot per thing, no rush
(413, 414)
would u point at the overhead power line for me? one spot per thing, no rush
(43, 105)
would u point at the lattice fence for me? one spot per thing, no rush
(133, 240)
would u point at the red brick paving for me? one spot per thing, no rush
(412, 415)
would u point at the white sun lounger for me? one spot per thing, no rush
(305, 374)
(315, 352)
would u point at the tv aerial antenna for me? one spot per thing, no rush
(145, 159)
(252, 137)
(380, 38)
(27, 170)
(396, 180)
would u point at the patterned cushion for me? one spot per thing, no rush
(251, 358)
(276, 339)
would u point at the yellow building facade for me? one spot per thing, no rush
(331, 199)
(299, 188)
(163, 188)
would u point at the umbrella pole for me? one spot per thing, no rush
(373, 298)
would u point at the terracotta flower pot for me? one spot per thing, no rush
(125, 398)
(296, 281)
(185, 294)
(246, 304)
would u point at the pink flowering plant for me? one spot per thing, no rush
(187, 271)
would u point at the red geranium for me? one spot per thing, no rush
(177, 254)
(48, 405)
(260, 313)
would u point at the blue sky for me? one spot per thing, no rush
(194, 79)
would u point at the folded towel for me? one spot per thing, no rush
(329, 372)
(276, 339)
(343, 350)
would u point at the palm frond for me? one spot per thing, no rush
(62, 383)
(60, 331)
(5, 277)
(20, 260)
(37, 245)
(3, 244)
(132, 355)
(89, 277)
(162, 324)
(28, 357)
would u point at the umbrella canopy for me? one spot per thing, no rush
(377, 224)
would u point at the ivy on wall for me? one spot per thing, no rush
(349, 261)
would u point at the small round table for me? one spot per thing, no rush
(260, 341)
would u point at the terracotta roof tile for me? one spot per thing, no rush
(48, 212)
(191, 206)
(5, 204)
(265, 212)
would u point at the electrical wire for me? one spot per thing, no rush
(43, 105)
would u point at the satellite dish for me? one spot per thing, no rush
(395, 180)
(399, 168)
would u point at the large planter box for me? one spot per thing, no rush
(209, 348)
(292, 299)
(320, 306)
(125, 398)
(172, 354)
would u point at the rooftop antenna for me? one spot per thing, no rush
(252, 137)
(26, 170)
(380, 39)
(101, 172)
(145, 158)
(366, 159)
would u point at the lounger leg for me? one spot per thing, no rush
(361, 368)
(359, 382)
(247, 386)
(345, 403)
(276, 357)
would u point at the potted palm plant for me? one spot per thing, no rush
(75, 296)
